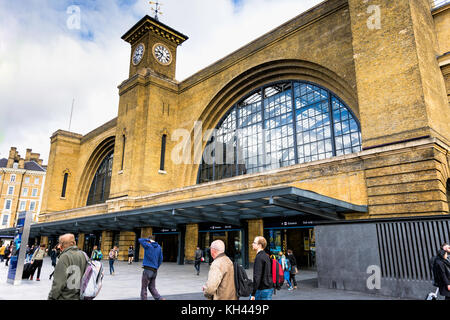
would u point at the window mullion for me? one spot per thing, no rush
(294, 120)
(330, 110)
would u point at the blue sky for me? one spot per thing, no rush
(44, 64)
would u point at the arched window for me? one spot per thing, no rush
(63, 192)
(99, 191)
(279, 125)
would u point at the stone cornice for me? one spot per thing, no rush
(22, 171)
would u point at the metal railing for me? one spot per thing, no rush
(438, 3)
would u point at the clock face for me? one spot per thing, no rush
(162, 54)
(138, 53)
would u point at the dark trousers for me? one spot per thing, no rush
(293, 280)
(111, 266)
(149, 281)
(37, 264)
(197, 266)
(2, 257)
(6, 260)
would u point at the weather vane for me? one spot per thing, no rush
(157, 9)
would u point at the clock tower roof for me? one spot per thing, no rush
(149, 24)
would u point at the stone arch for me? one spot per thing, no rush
(96, 158)
(279, 70)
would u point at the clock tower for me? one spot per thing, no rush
(154, 46)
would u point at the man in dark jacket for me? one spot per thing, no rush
(68, 271)
(293, 271)
(198, 259)
(262, 272)
(441, 272)
(152, 260)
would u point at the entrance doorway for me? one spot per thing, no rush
(169, 245)
(91, 240)
(231, 238)
(300, 240)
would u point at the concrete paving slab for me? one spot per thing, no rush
(174, 282)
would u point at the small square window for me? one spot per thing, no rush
(34, 193)
(25, 192)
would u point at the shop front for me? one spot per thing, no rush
(231, 235)
(292, 233)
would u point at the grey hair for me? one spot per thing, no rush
(218, 245)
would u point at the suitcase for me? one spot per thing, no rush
(27, 268)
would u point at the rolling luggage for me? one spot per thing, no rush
(27, 268)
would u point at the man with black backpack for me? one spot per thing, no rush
(262, 272)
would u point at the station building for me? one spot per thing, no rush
(339, 117)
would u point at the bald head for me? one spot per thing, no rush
(67, 240)
(217, 247)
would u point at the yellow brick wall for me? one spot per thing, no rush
(106, 244)
(127, 239)
(191, 241)
(255, 228)
(81, 239)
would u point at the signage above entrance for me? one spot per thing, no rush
(164, 230)
(206, 227)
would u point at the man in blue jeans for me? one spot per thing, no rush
(262, 272)
(152, 260)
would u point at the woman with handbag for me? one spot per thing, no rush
(294, 269)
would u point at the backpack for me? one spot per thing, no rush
(277, 275)
(91, 282)
(244, 286)
(433, 276)
(97, 255)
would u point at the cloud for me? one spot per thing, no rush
(44, 64)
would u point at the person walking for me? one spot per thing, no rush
(2, 252)
(68, 271)
(113, 253)
(286, 268)
(37, 260)
(7, 254)
(130, 254)
(54, 253)
(262, 271)
(441, 272)
(198, 255)
(97, 254)
(220, 284)
(153, 258)
(294, 268)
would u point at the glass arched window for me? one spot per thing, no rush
(280, 125)
(99, 191)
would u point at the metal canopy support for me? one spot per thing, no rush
(300, 208)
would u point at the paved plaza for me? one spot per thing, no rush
(174, 282)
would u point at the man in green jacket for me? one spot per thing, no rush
(68, 271)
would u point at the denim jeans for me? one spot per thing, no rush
(149, 281)
(287, 277)
(111, 266)
(265, 294)
(197, 266)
